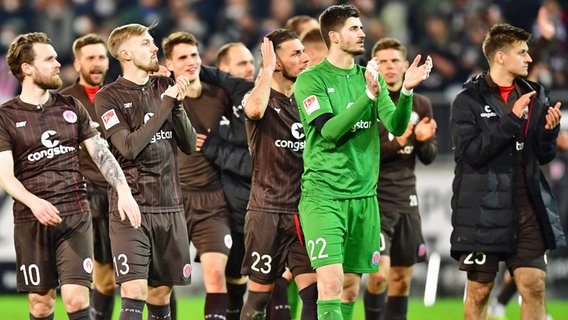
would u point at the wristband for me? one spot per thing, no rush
(406, 92)
(178, 105)
(370, 94)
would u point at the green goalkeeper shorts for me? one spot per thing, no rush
(342, 231)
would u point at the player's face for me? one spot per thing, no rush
(143, 52)
(45, 67)
(292, 58)
(391, 65)
(352, 37)
(516, 59)
(92, 64)
(240, 63)
(185, 60)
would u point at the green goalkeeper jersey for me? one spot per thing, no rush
(348, 166)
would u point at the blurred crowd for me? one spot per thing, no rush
(451, 31)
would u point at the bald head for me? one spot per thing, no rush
(236, 59)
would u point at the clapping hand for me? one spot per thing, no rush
(178, 91)
(372, 76)
(416, 74)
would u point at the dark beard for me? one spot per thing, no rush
(89, 81)
(353, 52)
(287, 76)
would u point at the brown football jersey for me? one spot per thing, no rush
(205, 112)
(153, 173)
(276, 144)
(44, 140)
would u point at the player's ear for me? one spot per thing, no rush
(77, 65)
(223, 67)
(26, 69)
(169, 65)
(333, 36)
(124, 55)
(499, 57)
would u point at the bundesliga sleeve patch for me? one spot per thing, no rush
(311, 104)
(110, 119)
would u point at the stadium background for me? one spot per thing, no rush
(449, 30)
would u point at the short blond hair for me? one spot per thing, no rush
(123, 33)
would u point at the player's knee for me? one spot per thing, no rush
(533, 289)
(330, 288)
(350, 294)
(400, 284)
(377, 280)
(106, 287)
(479, 292)
(159, 295)
(41, 306)
(217, 275)
(76, 302)
(136, 289)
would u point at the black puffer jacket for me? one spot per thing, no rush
(229, 149)
(484, 215)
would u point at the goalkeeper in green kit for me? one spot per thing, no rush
(340, 104)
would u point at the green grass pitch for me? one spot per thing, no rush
(14, 307)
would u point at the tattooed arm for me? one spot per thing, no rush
(112, 172)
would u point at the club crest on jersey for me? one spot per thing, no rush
(88, 265)
(186, 271)
(110, 119)
(376, 258)
(414, 118)
(228, 241)
(70, 116)
(311, 104)
(422, 250)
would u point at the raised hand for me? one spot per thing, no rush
(416, 74)
(553, 117)
(178, 91)
(545, 23)
(521, 106)
(268, 54)
(372, 76)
